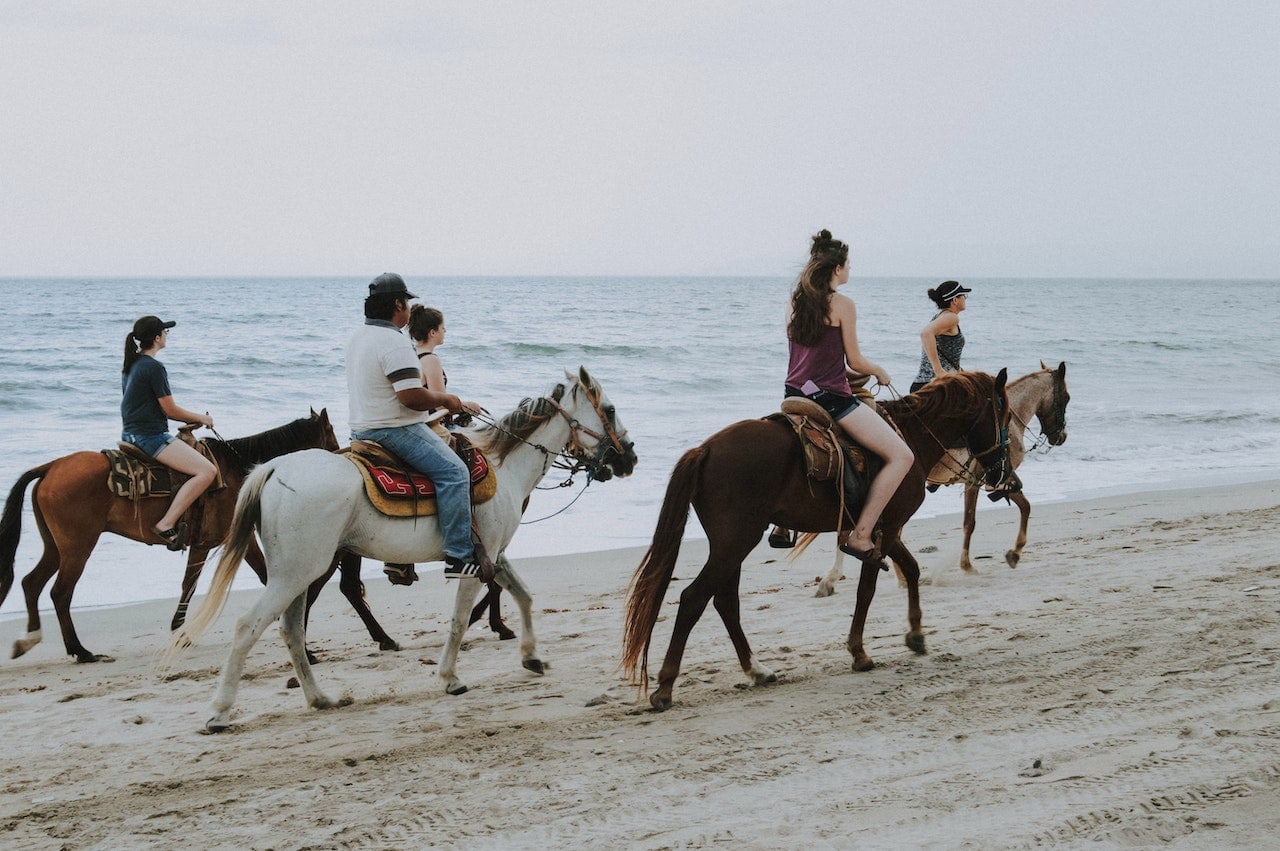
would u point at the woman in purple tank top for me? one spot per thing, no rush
(822, 339)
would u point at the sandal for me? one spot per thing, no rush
(782, 539)
(865, 556)
(175, 539)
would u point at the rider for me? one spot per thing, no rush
(387, 401)
(942, 341)
(822, 339)
(146, 407)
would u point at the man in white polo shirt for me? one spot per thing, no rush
(387, 404)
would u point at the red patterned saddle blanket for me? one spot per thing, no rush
(398, 491)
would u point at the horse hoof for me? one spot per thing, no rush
(217, 725)
(764, 679)
(866, 663)
(86, 658)
(824, 590)
(506, 635)
(389, 645)
(311, 658)
(20, 648)
(915, 643)
(1012, 558)
(456, 689)
(659, 704)
(534, 665)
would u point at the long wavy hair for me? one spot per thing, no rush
(811, 299)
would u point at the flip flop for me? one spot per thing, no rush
(865, 556)
(175, 539)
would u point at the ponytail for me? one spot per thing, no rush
(131, 353)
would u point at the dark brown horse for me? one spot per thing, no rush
(752, 474)
(73, 507)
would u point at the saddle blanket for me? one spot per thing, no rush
(398, 492)
(131, 476)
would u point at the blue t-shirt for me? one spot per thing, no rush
(146, 382)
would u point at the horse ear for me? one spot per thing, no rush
(1002, 377)
(569, 376)
(1044, 365)
(1062, 369)
(583, 377)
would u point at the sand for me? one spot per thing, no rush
(1118, 689)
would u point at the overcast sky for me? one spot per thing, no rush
(940, 139)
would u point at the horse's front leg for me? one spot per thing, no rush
(1013, 556)
(970, 522)
(468, 589)
(867, 578)
(827, 586)
(195, 566)
(509, 579)
(293, 628)
(909, 570)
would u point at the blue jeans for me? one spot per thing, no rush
(423, 450)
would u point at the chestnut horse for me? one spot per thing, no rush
(752, 474)
(1043, 395)
(73, 507)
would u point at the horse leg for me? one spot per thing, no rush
(249, 629)
(727, 605)
(353, 589)
(490, 603)
(1013, 556)
(866, 593)
(32, 584)
(693, 602)
(524, 602)
(294, 631)
(827, 586)
(195, 566)
(909, 570)
(64, 586)
(970, 522)
(468, 588)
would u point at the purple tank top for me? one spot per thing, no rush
(823, 364)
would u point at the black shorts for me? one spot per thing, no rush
(837, 405)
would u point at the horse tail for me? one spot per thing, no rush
(234, 546)
(11, 525)
(649, 584)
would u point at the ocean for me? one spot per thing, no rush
(1168, 378)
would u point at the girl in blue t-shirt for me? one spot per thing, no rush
(146, 408)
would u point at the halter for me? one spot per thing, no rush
(1057, 408)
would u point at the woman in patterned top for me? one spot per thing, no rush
(942, 341)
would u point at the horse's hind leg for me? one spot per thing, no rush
(729, 608)
(693, 602)
(249, 629)
(970, 522)
(294, 631)
(32, 584)
(1013, 556)
(73, 558)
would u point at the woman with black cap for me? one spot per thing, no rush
(941, 340)
(146, 409)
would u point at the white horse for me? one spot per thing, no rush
(307, 505)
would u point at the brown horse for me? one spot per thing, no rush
(752, 473)
(73, 507)
(1043, 395)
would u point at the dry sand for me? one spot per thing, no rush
(1118, 689)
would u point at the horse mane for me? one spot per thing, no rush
(241, 454)
(953, 395)
(500, 438)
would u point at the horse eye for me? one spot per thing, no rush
(609, 411)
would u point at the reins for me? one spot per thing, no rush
(964, 471)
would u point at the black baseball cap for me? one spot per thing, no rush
(389, 282)
(149, 327)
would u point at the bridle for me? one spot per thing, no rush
(964, 472)
(1057, 415)
(592, 465)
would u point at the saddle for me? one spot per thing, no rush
(133, 474)
(397, 490)
(828, 451)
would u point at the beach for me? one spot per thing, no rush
(1118, 688)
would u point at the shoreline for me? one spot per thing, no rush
(1117, 687)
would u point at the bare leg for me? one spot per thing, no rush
(867, 427)
(184, 459)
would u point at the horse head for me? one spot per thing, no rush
(328, 440)
(991, 430)
(598, 440)
(1052, 410)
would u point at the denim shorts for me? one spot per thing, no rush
(837, 405)
(152, 444)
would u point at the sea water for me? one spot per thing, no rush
(1172, 381)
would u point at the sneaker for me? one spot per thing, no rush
(455, 568)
